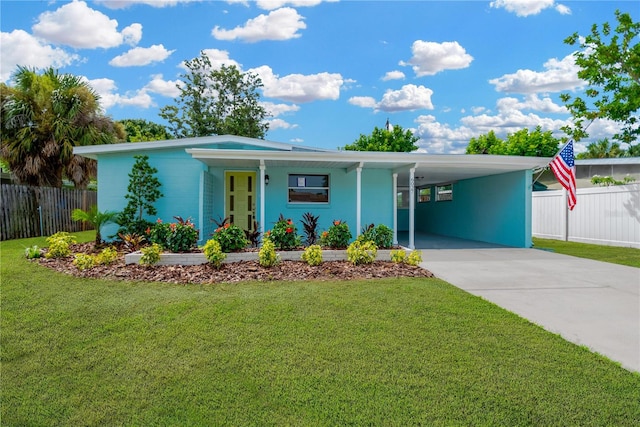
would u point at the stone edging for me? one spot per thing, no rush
(197, 258)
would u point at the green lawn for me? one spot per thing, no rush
(380, 352)
(614, 254)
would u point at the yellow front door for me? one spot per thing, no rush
(240, 200)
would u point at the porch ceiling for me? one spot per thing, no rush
(429, 169)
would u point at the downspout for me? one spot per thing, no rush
(412, 202)
(395, 209)
(358, 200)
(262, 195)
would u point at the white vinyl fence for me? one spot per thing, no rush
(602, 215)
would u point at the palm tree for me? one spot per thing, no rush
(95, 218)
(602, 149)
(43, 117)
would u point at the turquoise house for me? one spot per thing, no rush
(253, 181)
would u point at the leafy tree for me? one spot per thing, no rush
(395, 140)
(610, 63)
(142, 192)
(486, 144)
(602, 149)
(216, 102)
(95, 218)
(521, 143)
(43, 117)
(139, 130)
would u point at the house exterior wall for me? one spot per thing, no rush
(494, 209)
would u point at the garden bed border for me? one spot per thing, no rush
(197, 258)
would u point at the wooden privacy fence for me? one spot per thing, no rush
(41, 211)
(603, 215)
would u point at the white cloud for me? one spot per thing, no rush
(298, 87)
(393, 75)
(108, 98)
(558, 76)
(132, 34)
(75, 24)
(281, 24)
(439, 138)
(280, 124)
(276, 110)
(123, 4)
(531, 102)
(21, 48)
(408, 98)
(168, 88)
(139, 56)
(529, 7)
(363, 101)
(430, 58)
(276, 4)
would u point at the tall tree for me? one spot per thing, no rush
(43, 117)
(216, 102)
(140, 130)
(486, 144)
(610, 63)
(602, 149)
(390, 138)
(534, 143)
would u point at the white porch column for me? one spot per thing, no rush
(358, 200)
(262, 195)
(395, 208)
(412, 205)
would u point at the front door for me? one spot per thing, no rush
(240, 200)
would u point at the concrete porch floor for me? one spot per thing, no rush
(436, 241)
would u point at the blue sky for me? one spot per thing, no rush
(332, 70)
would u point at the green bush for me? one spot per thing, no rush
(284, 234)
(267, 255)
(213, 252)
(414, 258)
(151, 254)
(338, 235)
(84, 261)
(398, 256)
(231, 238)
(381, 235)
(33, 252)
(180, 236)
(312, 255)
(362, 252)
(59, 244)
(107, 256)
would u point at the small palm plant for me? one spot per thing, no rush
(95, 218)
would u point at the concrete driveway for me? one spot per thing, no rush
(587, 302)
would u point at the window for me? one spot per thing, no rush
(444, 193)
(308, 188)
(403, 197)
(424, 195)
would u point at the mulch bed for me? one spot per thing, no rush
(233, 272)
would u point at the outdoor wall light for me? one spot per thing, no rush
(266, 180)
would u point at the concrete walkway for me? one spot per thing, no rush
(587, 302)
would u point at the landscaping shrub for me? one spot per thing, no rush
(312, 255)
(151, 254)
(33, 252)
(284, 234)
(107, 256)
(338, 235)
(414, 258)
(178, 236)
(310, 226)
(267, 256)
(231, 238)
(84, 261)
(213, 252)
(132, 242)
(398, 256)
(362, 252)
(381, 235)
(142, 192)
(59, 244)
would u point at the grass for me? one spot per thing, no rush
(383, 352)
(613, 254)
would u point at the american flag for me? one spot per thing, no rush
(563, 167)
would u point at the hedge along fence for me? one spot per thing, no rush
(41, 211)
